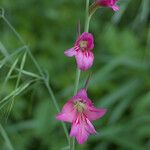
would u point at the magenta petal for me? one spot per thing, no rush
(82, 95)
(84, 60)
(75, 128)
(108, 3)
(85, 36)
(70, 52)
(81, 130)
(94, 113)
(115, 7)
(68, 112)
(90, 128)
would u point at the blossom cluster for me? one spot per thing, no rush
(79, 110)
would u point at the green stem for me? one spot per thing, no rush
(78, 72)
(41, 73)
(87, 17)
(87, 81)
(57, 108)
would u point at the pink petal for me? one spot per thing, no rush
(93, 113)
(112, 2)
(82, 95)
(81, 129)
(75, 128)
(85, 36)
(115, 7)
(84, 59)
(90, 128)
(68, 112)
(70, 52)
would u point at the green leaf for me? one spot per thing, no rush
(6, 138)
(16, 92)
(11, 70)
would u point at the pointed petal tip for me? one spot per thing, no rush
(115, 8)
(59, 117)
(85, 67)
(70, 52)
(68, 112)
(103, 111)
(81, 94)
(81, 141)
(94, 113)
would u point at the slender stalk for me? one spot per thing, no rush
(78, 72)
(87, 81)
(87, 17)
(50, 91)
(57, 108)
(23, 43)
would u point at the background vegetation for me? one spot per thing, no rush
(120, 81)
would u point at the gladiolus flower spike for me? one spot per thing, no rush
(80, 111)
(82, 51)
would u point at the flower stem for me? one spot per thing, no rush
(57, 107)
(87, 17)
(87, 80)
(78, 72)
(50, 91)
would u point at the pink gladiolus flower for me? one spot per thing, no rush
(80, 111)
(82, 51)
(108, 3)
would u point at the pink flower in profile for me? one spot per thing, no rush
(80, 111)
(82, 51)
(108, 3)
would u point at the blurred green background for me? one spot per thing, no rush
(120, 81)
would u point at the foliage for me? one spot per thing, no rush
(120, 81)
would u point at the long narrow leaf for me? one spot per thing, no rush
(11, 70)
(6, 138)
(15, 92)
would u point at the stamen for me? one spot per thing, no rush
(83, 44)
(79, 106)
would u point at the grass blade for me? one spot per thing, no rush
(11, 70)
(6, 138)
